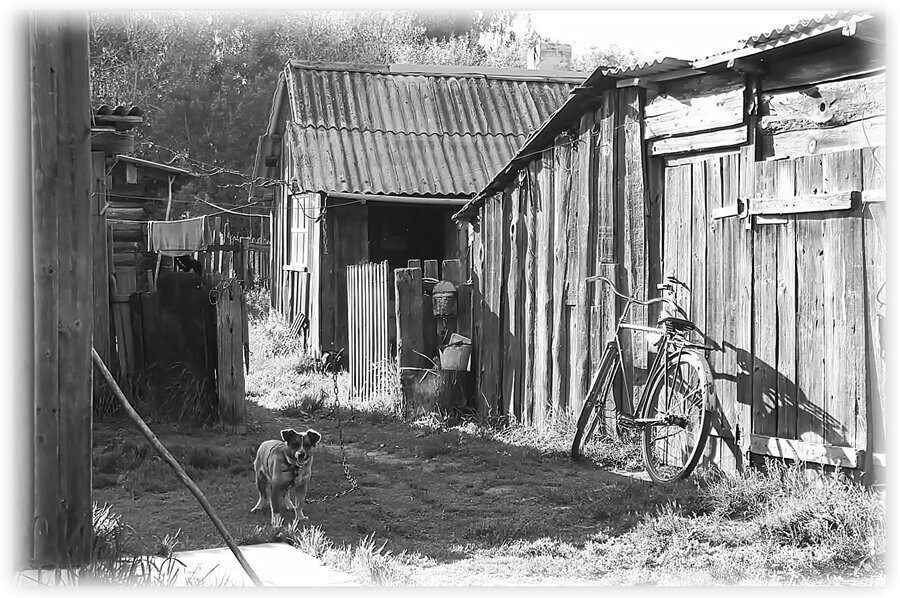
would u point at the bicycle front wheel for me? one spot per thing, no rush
(595, 407)
(677, 418)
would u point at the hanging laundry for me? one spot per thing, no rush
(178, 237)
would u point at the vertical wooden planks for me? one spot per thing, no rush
(699, 231)
(560, 343)
(492, 347)
(529, 239)
(101, 309)
(604, 317)
(731, 358)
(631, 101)
(677, 242)
(786, 308)
(408, 293)
(743, 290)
(810, 307)
(583, 246)
(544, 298)
(874, 232)
(479, 314)
(512, 310)
(715, 308)
(764, 414)
(845, 380)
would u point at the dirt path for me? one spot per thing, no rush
(438, 493)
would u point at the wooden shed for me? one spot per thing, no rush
(757, 178)
(137, 192)
(371, 161)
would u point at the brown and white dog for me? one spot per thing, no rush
(283, 468)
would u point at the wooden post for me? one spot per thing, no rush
(101, 311)
(410, 344)
(63, 289)
(430, 269)
(244, 263)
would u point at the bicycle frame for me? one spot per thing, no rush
(669, 339)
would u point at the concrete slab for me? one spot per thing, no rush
(276, 564)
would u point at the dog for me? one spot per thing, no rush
(283, 468)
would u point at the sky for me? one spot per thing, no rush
(686, 34)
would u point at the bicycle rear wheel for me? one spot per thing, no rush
(677, 408)
(595, 406)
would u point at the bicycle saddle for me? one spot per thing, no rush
(678, 324)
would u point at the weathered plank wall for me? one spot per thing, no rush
(58, 524)
(782, 264)
(539, 328)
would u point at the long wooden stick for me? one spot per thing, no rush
(179, 471)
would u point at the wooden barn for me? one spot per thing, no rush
(757, 178)
(374, 161)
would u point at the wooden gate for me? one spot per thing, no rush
(783, 263)
(368, 304)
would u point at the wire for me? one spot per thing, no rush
(226, 210)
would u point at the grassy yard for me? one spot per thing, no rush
(445, 502)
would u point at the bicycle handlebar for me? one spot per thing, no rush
(615, 291)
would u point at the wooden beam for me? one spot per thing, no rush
(724, 212)
(673, 114)
(748, 65)
(821, 202)
(808, 452)
(870, 31)
(111, 142)
(636, 82)
(823, 106)
(839, 62)
(700, 141)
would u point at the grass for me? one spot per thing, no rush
(466, 501)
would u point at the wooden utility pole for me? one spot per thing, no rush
(60, 528)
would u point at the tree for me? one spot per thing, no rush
(607, 56)
(205, 80)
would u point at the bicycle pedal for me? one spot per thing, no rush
(626, 421)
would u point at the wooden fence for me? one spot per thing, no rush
(258, 262)
(232, 352)
(369, 304)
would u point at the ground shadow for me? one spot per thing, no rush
(435, 491)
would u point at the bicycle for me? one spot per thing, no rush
(674, 411)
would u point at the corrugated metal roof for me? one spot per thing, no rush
(355, 161)
(656, 66)
(413, 131)
(804, 29)
(788, 34)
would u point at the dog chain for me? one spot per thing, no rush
(350, 479)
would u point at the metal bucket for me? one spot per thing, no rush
(455, 355)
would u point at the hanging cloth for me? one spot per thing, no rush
(178, 237)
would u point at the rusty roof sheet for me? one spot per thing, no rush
(413, 130)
